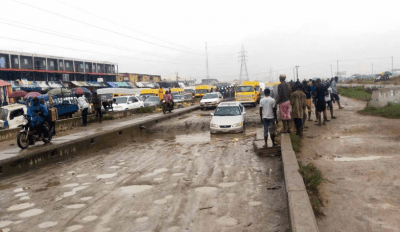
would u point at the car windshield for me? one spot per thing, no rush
(245, 89)
(209, 96)
(178, 97)
(3, 114)
(257, 88)
(227, 111)
(146, 95)
(121, 100)
(149, 99)
(201, 91)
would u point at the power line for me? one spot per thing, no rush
(98, 27)
(115, 23)
(74, 49)
(69, 36)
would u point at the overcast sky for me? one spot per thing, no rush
(168, 36)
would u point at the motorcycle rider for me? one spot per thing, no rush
(168, 98)
(38, 113)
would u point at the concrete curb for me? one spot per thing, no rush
(78, 145)
(301, 215)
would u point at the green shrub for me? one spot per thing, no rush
(358, 93)
(295, 142)
(389, 111)
(311, 176)
(144, 110)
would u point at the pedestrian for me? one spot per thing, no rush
(284, 102)
(298, 101)
(267, 105)
(84, 105)
(328, 100)
(335, 93)
(307, 91)
(320, 102)
(313, 88)
(97, 106)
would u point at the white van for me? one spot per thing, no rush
(127, 103)
(11, 116)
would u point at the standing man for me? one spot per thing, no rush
(83, 104)
(320, 104)
(160, 93)
(328, 100)
(307, 91)
(335, 93)
(284, 102)
(298, 100)
(97, 105)
(267, 105)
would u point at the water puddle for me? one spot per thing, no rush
(86, 198)
(254, 203)
(73, 192)
(17, 222)
(74, 228)
(206, 190)
(135, 188)
(227, 221)
(109, 183)
(76, 206)
(160, 202)
(158, 179)
(21, 206)
(142, 219)
(70, 185)
(47, 224)
(169, 197)
(5, 223)
(178, 174)
(161, 170)
(31, 213)
(21, 194)
(203, 137)
(367, 158)
(89, 218)
(82, 175)
(114, 167)
(24, 198)
(227, 185)
(106, 176)
(18, 190)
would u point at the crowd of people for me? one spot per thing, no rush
(294, 100)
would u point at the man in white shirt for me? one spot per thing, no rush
(83, 104)
(267, 105)
(328, 100)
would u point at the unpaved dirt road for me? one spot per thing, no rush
(176, 177)
(359, 157)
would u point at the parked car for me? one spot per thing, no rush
(127, 103)
(11, 116)
(152, 101)
(211, 100)
(187, 96)
(178, 98)
(228, 118)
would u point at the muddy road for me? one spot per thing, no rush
(175, 177)
(359, 159)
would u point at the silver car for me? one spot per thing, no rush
(228, 118)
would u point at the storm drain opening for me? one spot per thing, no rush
(120, 132)
(1, 170)
(92, 141)
(53, 153)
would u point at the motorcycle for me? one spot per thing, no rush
(166, 106)
(28, 136)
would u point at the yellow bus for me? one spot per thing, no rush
(201, 90)
(177, 90)
(257, 88)
(246, 94)
(153, 92)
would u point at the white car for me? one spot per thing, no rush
(127, 103)
(12, 116)
(211, 100)
(228, 118)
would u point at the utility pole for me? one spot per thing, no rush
(331, 72)
(337, 66)
(372, 69)
(243, 66)
(297, 72)
(176, 76)
(208, 76)
(392, 65)
(294, 74)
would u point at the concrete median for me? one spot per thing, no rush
(14, 161)
(301, 215)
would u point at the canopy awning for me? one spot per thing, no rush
(122, 84)
(4, 83)
(112, 84)
(96, 84)
(80, 83)
(55, 84)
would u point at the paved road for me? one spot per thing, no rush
(181, 179)
(359, 159)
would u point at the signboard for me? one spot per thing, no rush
(99, 79)
(126, 78)
(342, 73)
